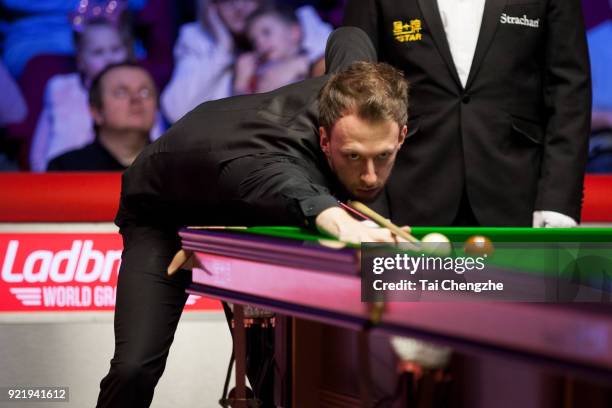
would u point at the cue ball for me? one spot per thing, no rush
(478, 245)
(436, 244)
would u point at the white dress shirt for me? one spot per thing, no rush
(462, 20)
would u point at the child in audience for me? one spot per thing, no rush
(278, 58)
(206, 52)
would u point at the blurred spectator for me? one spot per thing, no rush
(123, 103)
(277, 58)
(40, 27)
(65, 122)
(12, 109)
(207, 50)
(204, 54)
(600, 50)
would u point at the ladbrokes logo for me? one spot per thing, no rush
(81, 263)
(75, 275)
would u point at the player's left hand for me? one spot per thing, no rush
(552, 219)
(182, 260)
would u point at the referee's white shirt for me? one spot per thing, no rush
(462, 20)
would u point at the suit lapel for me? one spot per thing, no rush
(431, 14)
(490, 21)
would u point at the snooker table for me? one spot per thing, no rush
(313, 279)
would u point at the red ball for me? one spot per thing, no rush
(478, 245)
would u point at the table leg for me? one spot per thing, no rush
(365, 380)
(240, 353)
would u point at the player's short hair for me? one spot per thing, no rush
(373, 91)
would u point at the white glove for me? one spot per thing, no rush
(552, 219)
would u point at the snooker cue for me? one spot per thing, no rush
(354, 211)
(381, 221)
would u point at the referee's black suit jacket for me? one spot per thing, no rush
(515, 138)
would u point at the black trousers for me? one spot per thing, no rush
(149, 305)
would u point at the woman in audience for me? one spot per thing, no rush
(206, 52)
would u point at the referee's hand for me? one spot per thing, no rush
(552, 219)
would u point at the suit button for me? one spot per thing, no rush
(466, 99)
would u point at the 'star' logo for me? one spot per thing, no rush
(407, 32)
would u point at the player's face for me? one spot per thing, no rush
(129, 100)
(101, 46)
(362, 154)
(235, 12)
(273, 38)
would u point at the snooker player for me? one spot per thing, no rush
(284, 157)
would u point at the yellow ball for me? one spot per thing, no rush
(436, 244)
